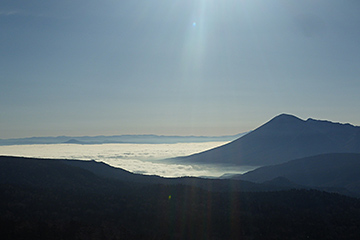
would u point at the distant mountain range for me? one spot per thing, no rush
(282, 139)
(141, 139)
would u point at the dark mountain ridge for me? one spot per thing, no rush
(61, 199)
(332, 170)
(98, 176)
(283, 138)
(83, 174)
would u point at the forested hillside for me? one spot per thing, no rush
(82, 205)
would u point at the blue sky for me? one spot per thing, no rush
(139, 66)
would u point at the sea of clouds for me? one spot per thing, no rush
(138, 158)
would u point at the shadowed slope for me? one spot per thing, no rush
(77, 174)
(334, 170)
(283, 138)
(48, 199)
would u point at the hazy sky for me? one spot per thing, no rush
(175, 67)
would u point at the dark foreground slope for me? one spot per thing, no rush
(333, 170)
(97, 176)
(283, 138)
(67, 202)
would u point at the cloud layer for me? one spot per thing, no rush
(137, 158)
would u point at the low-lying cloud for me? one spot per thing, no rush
(137, 158)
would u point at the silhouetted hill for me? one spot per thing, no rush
(331, 171)
(52, 199)
(283, 138)
(103, 170)
(106, 171)
(279, 181)
(82, 174)
(45, 173)
(74, 141)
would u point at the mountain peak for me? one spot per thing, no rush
(282, 120)
(285, 116)
(283, 138)
(73, 141)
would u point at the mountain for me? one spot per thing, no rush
(283, 138)
(82, 174)
(331, 171)
(73, 141)
(60, 199)
(46, 173)
(152, 139)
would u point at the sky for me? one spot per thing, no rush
(175, 67)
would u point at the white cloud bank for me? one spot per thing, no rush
(137, 158)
